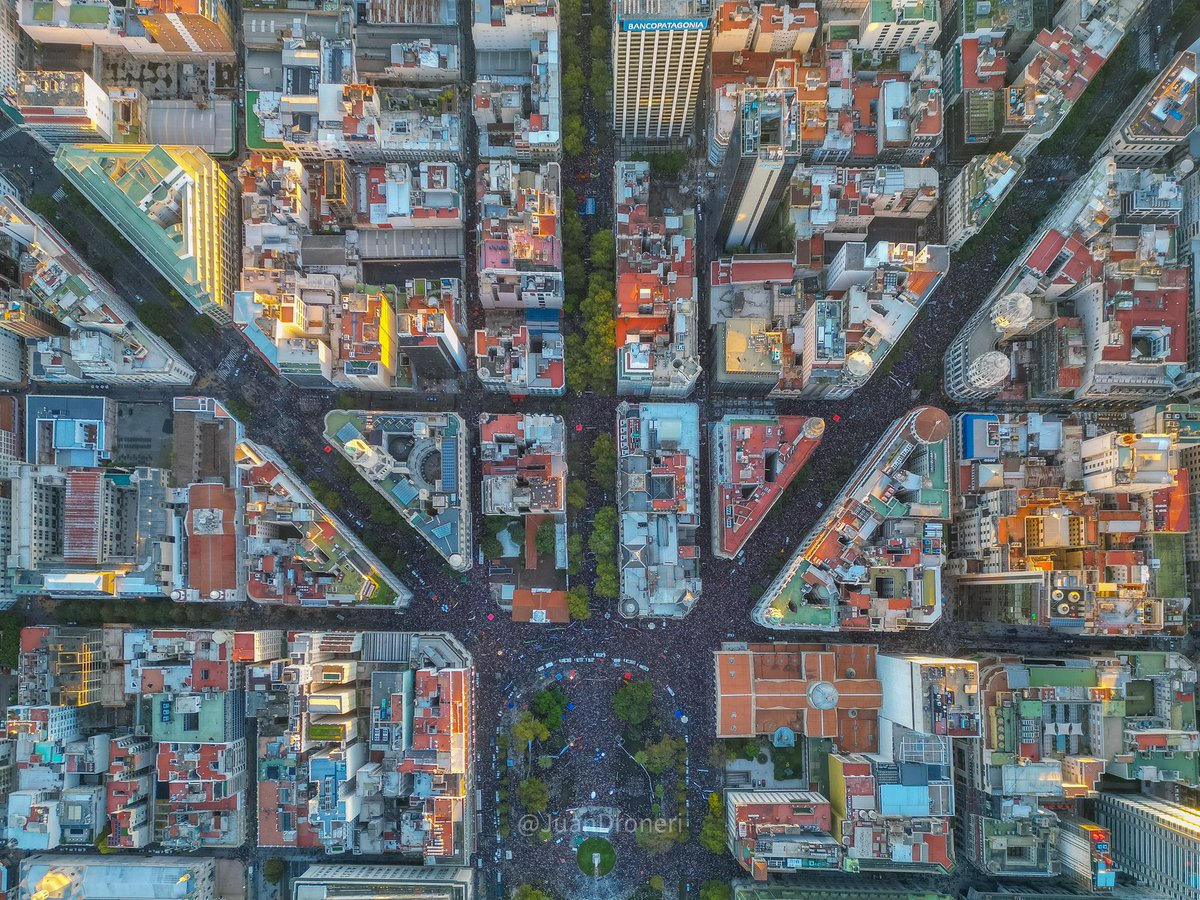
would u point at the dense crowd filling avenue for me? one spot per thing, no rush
(553, 449)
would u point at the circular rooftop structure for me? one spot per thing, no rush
(859, 363)
(814, 427)
(822, 695)
(989, 370)
(1012, 311)
(931, 425)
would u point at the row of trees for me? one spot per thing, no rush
(591, 352)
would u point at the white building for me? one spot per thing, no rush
(1127, 463)
(117, 878)
(329, 881)
(1155, 841)
(63, 107)
(889, 26)
(659, 51)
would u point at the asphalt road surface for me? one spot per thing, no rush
(676, 653)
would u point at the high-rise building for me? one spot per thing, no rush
(1156, 841)
(1162, 117)
(62, 107)
(764, 150)
(889, 26)
(659, 51)
(975, 193)
(117, 877)
(174, 204)
(331, 881)
(79, 327)
(149, 29)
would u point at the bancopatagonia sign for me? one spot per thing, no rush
(668, 25)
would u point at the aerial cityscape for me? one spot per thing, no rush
(578, 450)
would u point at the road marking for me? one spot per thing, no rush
(59, 195)
(9, 132)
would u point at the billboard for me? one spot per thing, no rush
(664, 25)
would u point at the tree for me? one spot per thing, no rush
(546, 540)
(576, 362)
(712, 831)
(273, 870)
(715, 890)
(604, 461)
(576, 497)
(529, 892)
(579, 603)
(600, 82)
(599, 41)
(528, 729)
(602, 351)
(534, 795)
(573, 84)
(655, 836)
(574, 554)
(634, 702)
(669, 164)
(244, 413)
(608, 582)
(603, 250)
(603, 539)
(574, 135)
(662, 755)
(574, 272)
(548, 706)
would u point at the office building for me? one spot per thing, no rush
(1161, 119)
(890, 26)
(177, 207)
(656, 315)
(331, 881)
(764, 150)
(62, 108)
(1155, 841)
(297, 553)
(516, 360)
(154, 30)
(659, 52)
(418, 462)
(976, 192)
(1053, 529)
(78, 329)
(753, 461)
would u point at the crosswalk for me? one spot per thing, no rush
(9, 132)
(59, 195)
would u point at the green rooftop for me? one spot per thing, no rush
(1062, 676)
(189, 718)
(1169, 578)
(910, 11)
(88, 15)
(255, 139)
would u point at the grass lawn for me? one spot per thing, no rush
(608, 856)
(255, 139)
(88, 15)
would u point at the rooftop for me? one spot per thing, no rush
(658, 448)
(754, 460)
(874, 559)
(418, 462)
